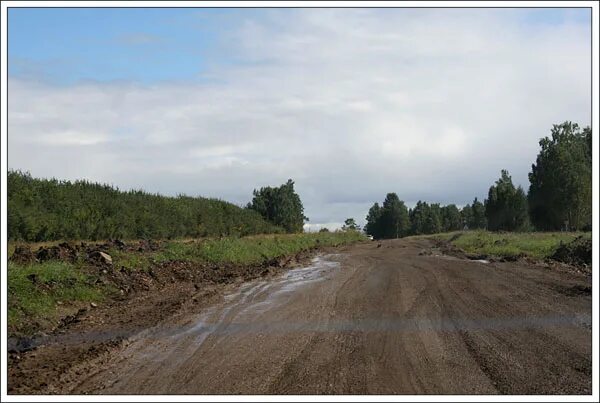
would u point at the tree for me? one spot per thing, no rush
(451, 219)
(466, 214)
(418, 216)
(478, 220)
(473, 215)
(433, 222)
(425, 218)
(506, 206)
(388, 221)
(281, 206)
(350, 225)
(394, 217)
(373, 225)
(560, 191)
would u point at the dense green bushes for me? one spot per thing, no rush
(43, 210)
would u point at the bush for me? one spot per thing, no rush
(48, 209)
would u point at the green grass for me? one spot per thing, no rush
(259, 249)
(247, 250)
(250, 250)
(131, 261)
(33, 304)
(538, 245)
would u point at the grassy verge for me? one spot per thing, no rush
(257, 249)
(537, 245)
(40, 293)
(241, 251)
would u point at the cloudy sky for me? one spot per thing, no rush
(349, 103)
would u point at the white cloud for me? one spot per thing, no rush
(351, 104)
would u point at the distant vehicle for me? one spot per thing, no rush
(370, 237)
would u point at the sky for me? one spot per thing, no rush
(349, 103)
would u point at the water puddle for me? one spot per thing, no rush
(250, 299)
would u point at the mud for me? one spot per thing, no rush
(144, 299)
(369, 319)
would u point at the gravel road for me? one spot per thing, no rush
(392, 317)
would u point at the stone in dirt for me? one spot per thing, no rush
(101, 257)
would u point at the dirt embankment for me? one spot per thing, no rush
(577, 252)
(139, 300)
(72, 252)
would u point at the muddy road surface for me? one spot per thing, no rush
(395, 317)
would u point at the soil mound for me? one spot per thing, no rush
(22, 255)
(447, 248)
(577, 252)
(63, 251)
(95, 254)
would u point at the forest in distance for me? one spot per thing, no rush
(558, 198)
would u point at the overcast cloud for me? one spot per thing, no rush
(351, 104)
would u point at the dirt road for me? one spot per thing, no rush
(394, 319)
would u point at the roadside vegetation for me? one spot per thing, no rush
(240, 251)
(51, 209)
(37, 293)
(42, 292)
(66, 248)
(559, 197)
(536, 245)
(259, 249)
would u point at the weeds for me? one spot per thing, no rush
(538, 245)
(35, 291)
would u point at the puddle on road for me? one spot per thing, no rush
(238, 310)
(293, 280)
(254, 298)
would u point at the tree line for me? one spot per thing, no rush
(559, 196)
(50, 209)
(394, 220)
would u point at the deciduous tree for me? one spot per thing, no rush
(560, 191)
(281, 206)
